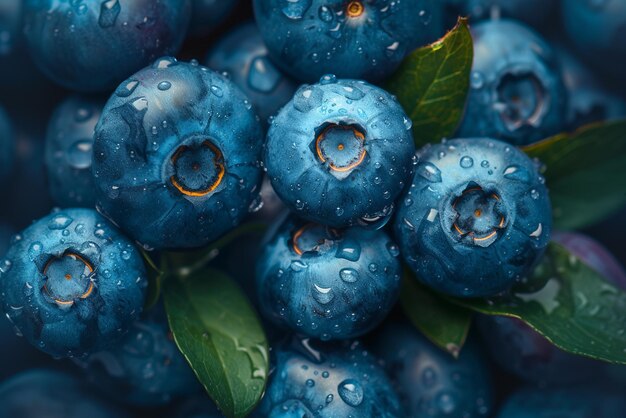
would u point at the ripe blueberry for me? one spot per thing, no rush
(176, 155)
(429, 379)
(45, 393)
(340, 152)
(93, 45)
(145, 368)
(71, 283)
(243, 55)
(588, 101)
(69, 143)
(516, 93)
(351, 39)
(476, 218)
(327, 283)
(317, 380)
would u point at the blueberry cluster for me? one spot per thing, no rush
(145, 154)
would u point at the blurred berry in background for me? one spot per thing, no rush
(243, 55)
(69, 151)
(93, 45)
(516, 92)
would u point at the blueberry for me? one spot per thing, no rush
(145, 368)
(69, 143)
(327, 381)
(41, 393)
(176, 155)
(521, 351)
(476, 218)
(327, 283)
(340, 152)
(430, 381)
(516, 93)
(570, 402)
(92, 45)
(206, 15)
(6, 145)
(71, 283)
(11, 12)
(597, 29)
(243, 55)
(588, 101)
(351, 39)
(532, 12)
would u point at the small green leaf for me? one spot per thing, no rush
(442, 322)
(432, 84)
(585, 172)
(220, 335)
(576, 309)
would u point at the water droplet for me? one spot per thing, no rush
(349, 249)
(79, 154)
(60, 221)
(514, 172)
(393, 249)
(323, 294)
(263, 75)
(466, 162)
(477, 80)
(430, 172)
(349, 275)
(217, 91)
(351, 392)
(109, 10)
(310, 383)
(325, 14)
(328, 79)
(298, 265)
(164, 85)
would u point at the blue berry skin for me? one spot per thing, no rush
(476, 218)
(597, 30)
(310, 379)
(243, 55)
(429, 381)
(6, 145)
(516, 92)
(177, 155)
(570, 402)
(532, 12)
(69, 150)
(588, 101)
(11, 12)
(206, 15)
(145, 368)
(39, 393)
(327, 283)
(351, 39)
(521, 351)
(340, 152)
(72, 284)
(93, 45)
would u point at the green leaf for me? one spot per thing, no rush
(585, 172)
(576, 309)
(155, 277)
(432, 84)
(442, 322)
(220, 335)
